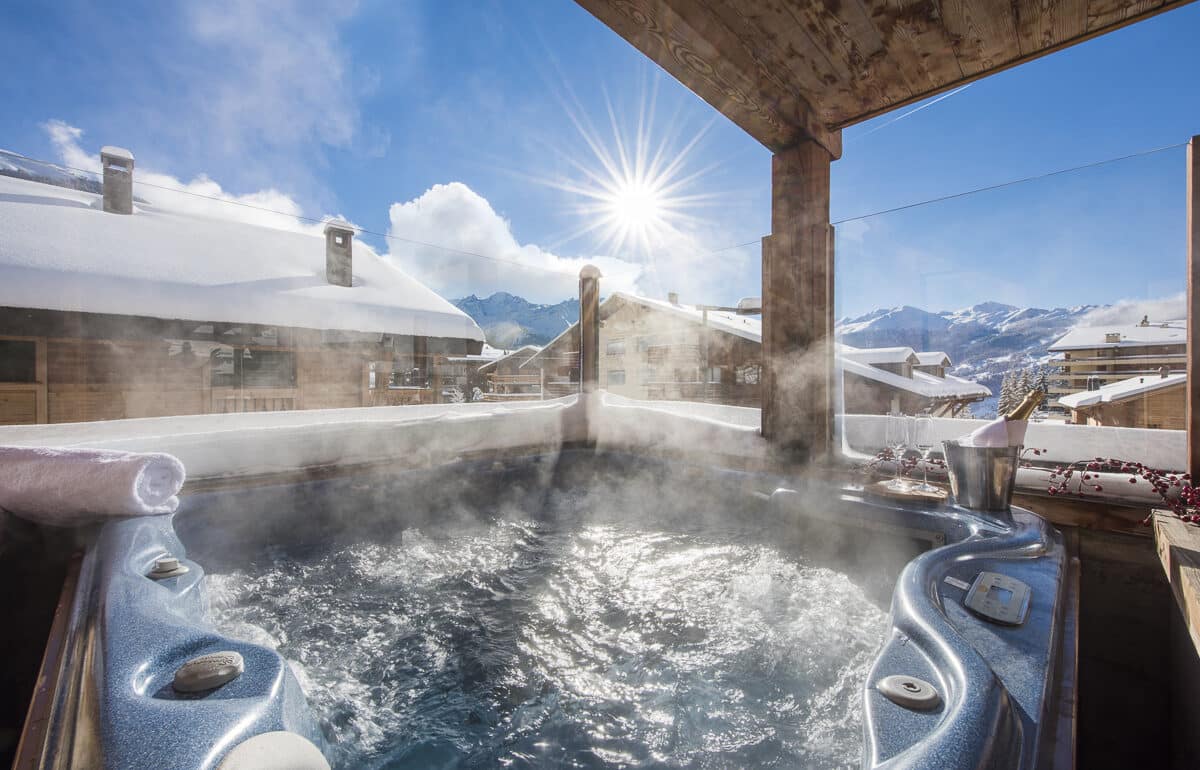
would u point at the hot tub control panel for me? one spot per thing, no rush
(999, 598)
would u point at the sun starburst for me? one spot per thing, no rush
(635, 188)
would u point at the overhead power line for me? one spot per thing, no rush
(973, 191)
(524, 266)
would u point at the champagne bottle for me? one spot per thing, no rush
(1033, 399)
(1007, 429)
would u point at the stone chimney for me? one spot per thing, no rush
(1164, 372)
(117, 163)
(339, 254)
(673, 298)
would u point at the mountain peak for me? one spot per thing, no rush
(509, 321)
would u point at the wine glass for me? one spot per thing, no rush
(897, 440)
(922, 437)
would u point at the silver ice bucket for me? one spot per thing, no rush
(982, 478)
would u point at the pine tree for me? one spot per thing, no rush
(1007, 388)
(1042, 382)
(1024, 383)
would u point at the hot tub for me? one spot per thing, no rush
(580, 608)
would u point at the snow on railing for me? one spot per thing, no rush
(272, 442)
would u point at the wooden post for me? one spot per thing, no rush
(436, 378)
(797, 275)
(1193, 308)
(589, 329)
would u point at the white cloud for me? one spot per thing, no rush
(454, 216)
(65, 139)
(276, 72)
(1131, 311)
(473, 248)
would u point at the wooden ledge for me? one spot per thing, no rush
(1178, 547)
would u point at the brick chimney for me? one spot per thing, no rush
(339, 254)
(117, 163)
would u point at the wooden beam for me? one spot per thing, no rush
(697, 48)
(797, 276)
(1177, 545)
(1193, 308)
(589, 329)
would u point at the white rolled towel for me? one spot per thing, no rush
(70, 486)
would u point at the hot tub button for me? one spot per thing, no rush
(166, 566)
(909, 692)
(209, 671)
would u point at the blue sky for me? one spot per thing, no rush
(457, 124)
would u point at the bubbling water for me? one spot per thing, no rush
(528, 644)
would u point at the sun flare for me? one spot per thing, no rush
(633, 190)
(636, 205)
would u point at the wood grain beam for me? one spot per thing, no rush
(1193, 308)
(853, 44)
(791, 70)
(700, 51)
(1101, 17)
(985, 33)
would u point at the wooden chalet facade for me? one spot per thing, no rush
(506, 378)
(67, 354)
(663, 350)
(1153, 401)
(557, 364)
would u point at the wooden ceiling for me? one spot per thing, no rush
(787, 70)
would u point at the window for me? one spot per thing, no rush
(616, 377)
(18, 361)
(253, 368)
(615, 347)
(714, 375)
(748, 374)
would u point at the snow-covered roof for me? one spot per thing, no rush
(921, 384)
(742, 326)
(521, 354)
(1122, 390)
(932, 358)
(895, 355)
(1131, 335)
(538, 356)
(60, 251)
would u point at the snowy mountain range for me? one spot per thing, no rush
(983, 341)
(509, 321)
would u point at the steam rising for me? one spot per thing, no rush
(609, 621)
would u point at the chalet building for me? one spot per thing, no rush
(900, 380)
(1152, 401)
(461, 376)
(506, 380)
(664, 350)
(932, 362)
(114, 307)
(1091, 357)
(557, 364)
